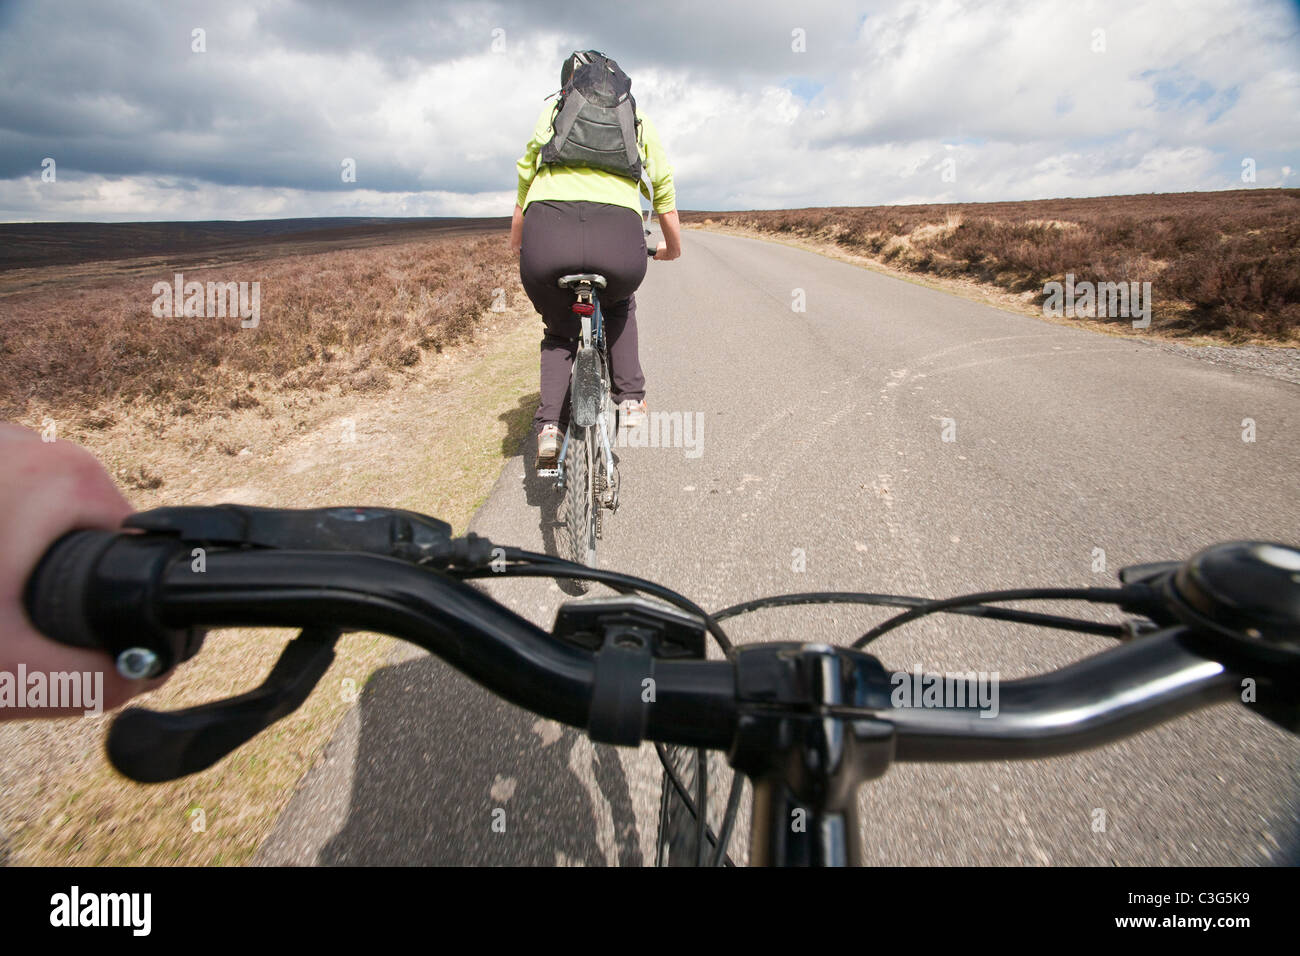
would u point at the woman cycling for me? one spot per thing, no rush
(576, 213)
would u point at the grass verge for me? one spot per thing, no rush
(433, 440)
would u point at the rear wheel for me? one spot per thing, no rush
(580, 504)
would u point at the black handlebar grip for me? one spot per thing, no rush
(57, 590)
(101, 590)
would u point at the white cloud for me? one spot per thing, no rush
(1013, 92)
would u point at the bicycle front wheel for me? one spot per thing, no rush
(679, 829)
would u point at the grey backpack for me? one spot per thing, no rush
(595, 120)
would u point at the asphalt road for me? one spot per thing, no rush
(823, 466)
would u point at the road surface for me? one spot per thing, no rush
(822, 464)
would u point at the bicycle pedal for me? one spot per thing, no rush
(548, 467)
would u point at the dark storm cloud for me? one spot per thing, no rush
(115, 88)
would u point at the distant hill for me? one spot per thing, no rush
(34, 244)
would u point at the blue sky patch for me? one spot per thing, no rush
(804, 87)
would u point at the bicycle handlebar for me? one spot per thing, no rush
(149, 598)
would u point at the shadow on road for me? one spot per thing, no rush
(438, 755)
(519, 424)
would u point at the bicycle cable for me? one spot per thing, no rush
(548, 566)
(1094, 595)
(895, 600)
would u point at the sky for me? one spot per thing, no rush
(250, 110)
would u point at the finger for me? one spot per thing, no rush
(48, 489)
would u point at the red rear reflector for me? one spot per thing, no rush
(583, 308)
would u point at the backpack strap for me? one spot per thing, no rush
(627, 119)
(645, 187)
(571, 105)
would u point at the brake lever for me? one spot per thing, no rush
(155, 746)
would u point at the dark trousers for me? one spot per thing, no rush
(565, 237)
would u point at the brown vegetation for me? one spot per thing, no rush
(1220, 263)
(345, 318)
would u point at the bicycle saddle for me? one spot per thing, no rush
(597, 280)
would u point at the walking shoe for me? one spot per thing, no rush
(548, 446)
(631, 413)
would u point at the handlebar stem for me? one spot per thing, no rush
(806, 768)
